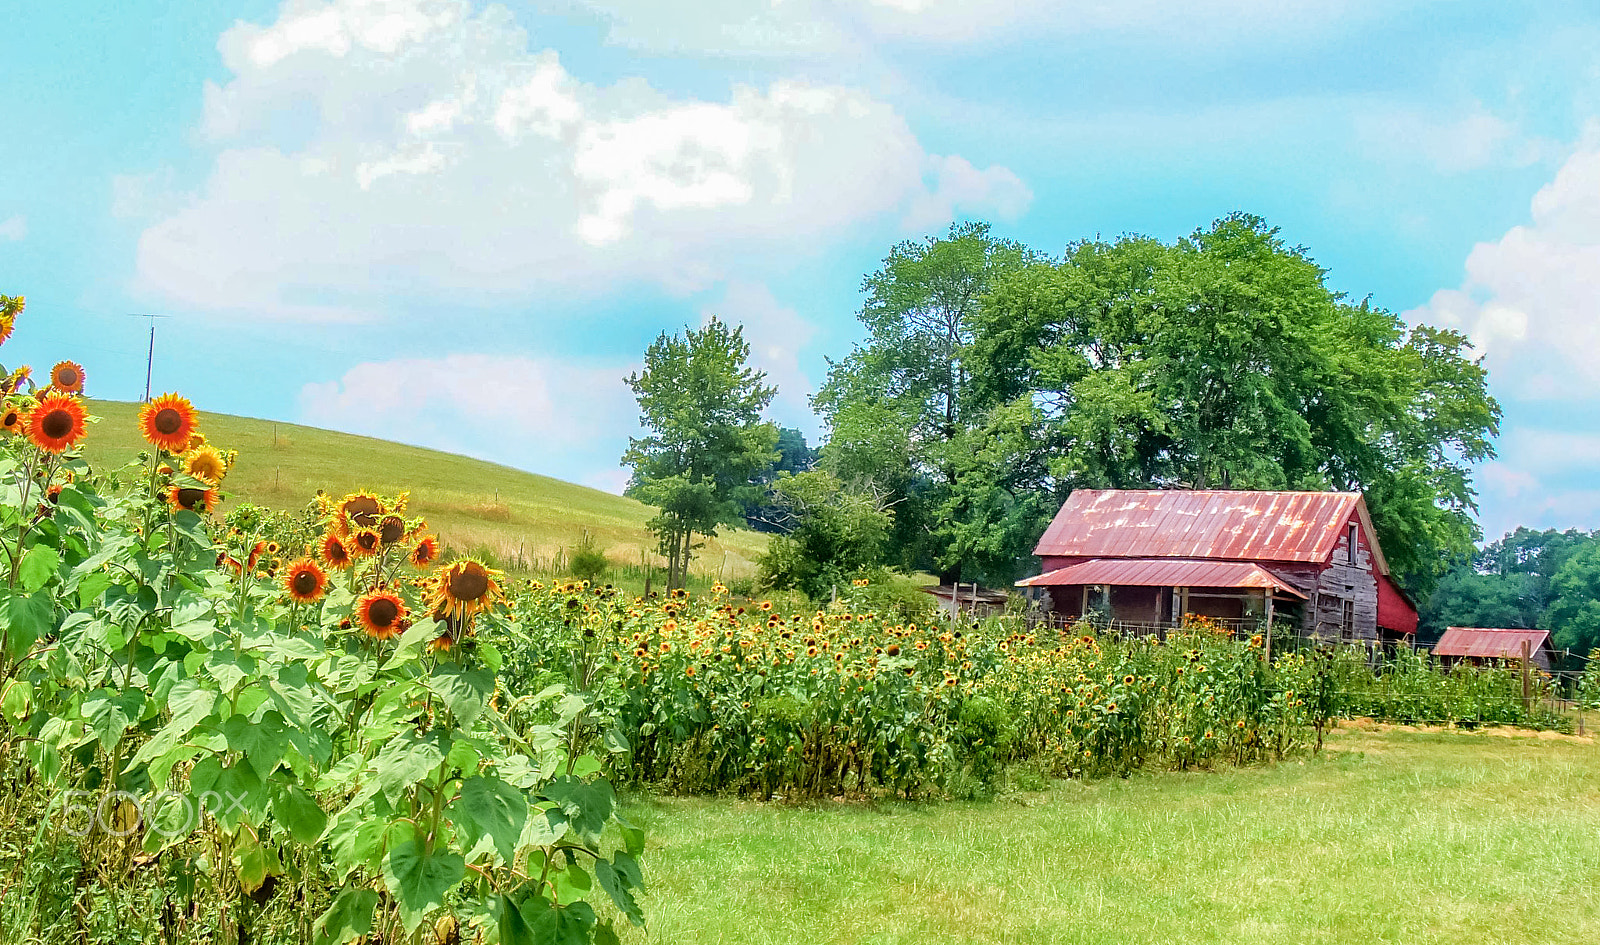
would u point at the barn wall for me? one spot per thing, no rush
(1341, 581)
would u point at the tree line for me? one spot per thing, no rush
(995, 378)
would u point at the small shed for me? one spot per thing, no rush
(968, 599)
(1500, 644)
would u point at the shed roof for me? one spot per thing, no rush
(1489, 642)
(1230, 525)
(1162, 572)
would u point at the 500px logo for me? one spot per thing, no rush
(120, 813)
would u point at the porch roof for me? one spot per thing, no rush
(1163, 572)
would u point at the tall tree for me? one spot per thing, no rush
(701, 404)
(898, 404)
(1225, 361)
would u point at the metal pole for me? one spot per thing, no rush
(150, 360)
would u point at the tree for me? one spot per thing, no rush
(831, 531)
(1575, 611)
(794, 456)
(701, 405)
(1224, 361)
(898, 404)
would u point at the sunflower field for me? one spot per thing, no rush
(239, 731)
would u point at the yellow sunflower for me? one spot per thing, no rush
(194, 500)
(465, 588)
(10, 308)
(168, 422)
(12, 419)
(359, 510)
(381, 615)
(67, 377)
(57, 422)
(305, 581)
(205, 463)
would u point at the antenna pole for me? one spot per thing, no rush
(150, 361)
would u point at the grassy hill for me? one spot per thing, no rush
(517, 516)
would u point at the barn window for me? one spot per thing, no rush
(1347, 629)
(1352, 543)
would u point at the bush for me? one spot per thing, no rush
(588, 562)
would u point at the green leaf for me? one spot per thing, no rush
(564, 925)
(418, 880)
(410, 644)
(619, 879)
(261, 743)
(16, 699)
(39, 565)
(403, 762)
(465, 690)
(489, 813)
(28, 617)
(299, 813)
(349, 918)
(190, 705)
(251, 860)
(110, 713)
(239, 795)
(586, 804)
(356, 838)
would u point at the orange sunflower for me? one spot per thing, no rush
(305, 581)
(381, 615)
(12, 419)
(57, 423)
(426, 551)
(193, 499)
(10, 308)
(364, 542)
(465, 588)
(359, 510)
(167, 422)
(391, 529)
(67, 377)
(334, 551)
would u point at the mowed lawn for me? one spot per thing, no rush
(471, 503)
(1393, 835)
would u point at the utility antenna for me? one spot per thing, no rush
(150, 359)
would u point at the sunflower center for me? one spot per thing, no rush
(305, 583)
(469, 585)
(67, 377)
(363, 510)
(367, 541)
(56, 424)
(11, 418)
(167, 421)
(383, 612)
(189, 497)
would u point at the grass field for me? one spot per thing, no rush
(471, 503)
(1393, 835)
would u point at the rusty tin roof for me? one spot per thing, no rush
(1230, 525)
(1162, 572)
(1489, 642)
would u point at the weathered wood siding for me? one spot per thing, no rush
(1345, 585)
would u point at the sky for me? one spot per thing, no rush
(460, 224)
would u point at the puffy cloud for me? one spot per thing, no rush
(531, 412)
(371, 146)
(1531, 299)
(14, 229)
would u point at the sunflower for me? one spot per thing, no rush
(10, 308)
(359, 510)
(334, 551)
(381, 614)
(426, 551)
(305, 581)
(193, 499)
(12, 419)
(465, 588)
(67, 377)
(57, 423)
(168, 422)
(206, 463)
(443, 643)
(364, 542)
(391, 529)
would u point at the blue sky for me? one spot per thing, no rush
(459, 224)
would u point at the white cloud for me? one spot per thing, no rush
(414, 145)
(1469, 141)
(14, 229)
(534, 413)
(1531, 299)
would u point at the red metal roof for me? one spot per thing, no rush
(1260, 526)
(1489, 642)
(1162, 572)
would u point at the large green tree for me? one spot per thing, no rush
(701, 405)
(897, 406)
(1225, 361)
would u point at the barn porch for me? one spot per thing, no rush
(1155, 595)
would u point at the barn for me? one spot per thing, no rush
(1495, 645)
(1146, 558)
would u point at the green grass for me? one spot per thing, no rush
(472, 504)
(1391, 836)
